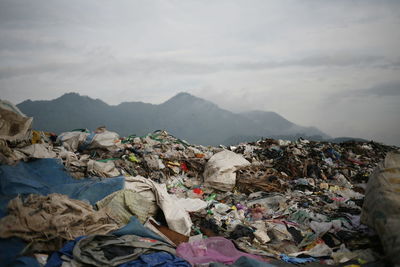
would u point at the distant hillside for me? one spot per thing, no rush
(346, 139)
(279, 126)
(185, 116)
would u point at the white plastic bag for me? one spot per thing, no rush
(220, 170)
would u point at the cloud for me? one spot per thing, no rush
(384, 89)
(11, 72)
(388, 89)
(106, 66)
(338, 60)
(294, 57)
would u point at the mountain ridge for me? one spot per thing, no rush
(186, 116)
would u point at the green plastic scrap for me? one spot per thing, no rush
(128, 139)
(133, 158)
(211, 197)
(156, 136)
(106, 160)
(309, 238)
(299, 216)
(196, 230)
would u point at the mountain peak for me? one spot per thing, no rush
(184, 94)
(72, 96)
(184, 98)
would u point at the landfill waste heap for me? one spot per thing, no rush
(85, 198)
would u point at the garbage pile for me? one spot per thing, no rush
(95, 198)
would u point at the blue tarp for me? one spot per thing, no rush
(159, 259)
(46, 176)
(135, 227)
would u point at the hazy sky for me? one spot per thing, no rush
(331, 64)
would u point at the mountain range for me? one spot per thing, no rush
(185, 116)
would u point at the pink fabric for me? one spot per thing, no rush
(213, 249)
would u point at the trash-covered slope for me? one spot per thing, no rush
(271, 201)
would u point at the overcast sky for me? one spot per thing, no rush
(330, 64)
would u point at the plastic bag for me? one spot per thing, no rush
(219, 171)
(213, 249)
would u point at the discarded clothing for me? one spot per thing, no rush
(124, 204)
(296, 260)
(170, 236)
(14, 125)
(55, 259)
(46, 176)
(11, 250)
(38, 151)
(134, 227)
(47, 221)
(102, 139)
(109, 250)
(72, 140)
(159, 259)
(102, 169)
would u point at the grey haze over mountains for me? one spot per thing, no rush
(185, 116)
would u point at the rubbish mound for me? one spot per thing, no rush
(95, 198)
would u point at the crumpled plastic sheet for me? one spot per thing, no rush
(213, 249)
(175, 210)
(296, 260)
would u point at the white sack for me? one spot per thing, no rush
(219, 171)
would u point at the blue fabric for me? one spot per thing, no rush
(296, 260)
(332, 153)
(249, 262)
(43, 177)
(159, 259)
(46, 176)
(88, 141)
(55, 258)
(9, 248)
(25, 262)
(134, 227)
(244, 261)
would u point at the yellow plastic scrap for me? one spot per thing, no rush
(36, 137)
(334, 188)
(174, 166)
(133, 158)
(361, 261)
(310, 246)
(171, 164)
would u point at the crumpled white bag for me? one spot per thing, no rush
(219, 171)
(175, 210)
